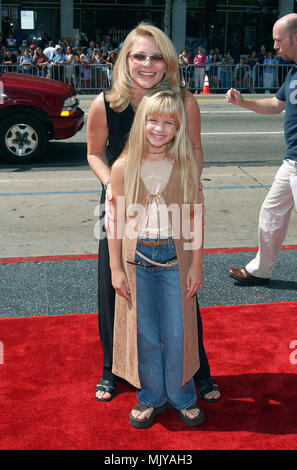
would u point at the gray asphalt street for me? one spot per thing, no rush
(51, 209)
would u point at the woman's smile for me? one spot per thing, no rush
(146, 74)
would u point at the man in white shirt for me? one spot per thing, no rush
(49, 51)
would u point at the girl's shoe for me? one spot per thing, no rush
(191, 421)
(150, 415)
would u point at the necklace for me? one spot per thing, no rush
(156, 153)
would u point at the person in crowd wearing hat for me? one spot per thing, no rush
(32, 50)
(58, 62)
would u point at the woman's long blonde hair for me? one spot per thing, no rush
(120, 94)
(160, 102)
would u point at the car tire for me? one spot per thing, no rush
(23, 139)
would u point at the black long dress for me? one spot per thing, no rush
(119, 125)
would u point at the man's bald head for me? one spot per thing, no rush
(285, 37)
(289, 23)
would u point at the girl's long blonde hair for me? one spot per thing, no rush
(160, 102)
(120, 94)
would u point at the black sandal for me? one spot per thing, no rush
(106, 386)
(146, 423)
(191, 421)
(205, 386)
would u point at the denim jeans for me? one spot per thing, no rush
(160, 333)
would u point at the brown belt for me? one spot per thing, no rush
(150, 243)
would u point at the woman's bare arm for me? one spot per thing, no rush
(194, 128)
(118, 277)
(97, 136)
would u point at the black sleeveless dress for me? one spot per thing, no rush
(119, 125)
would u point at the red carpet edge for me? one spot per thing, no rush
(30, 259)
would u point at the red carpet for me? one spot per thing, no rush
(51, 365)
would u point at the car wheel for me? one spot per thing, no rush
(22, 139)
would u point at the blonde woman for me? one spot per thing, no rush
(146, 60)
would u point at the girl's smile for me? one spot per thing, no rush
(159, 131)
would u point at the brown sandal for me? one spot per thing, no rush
(191, 421)
(145, 423)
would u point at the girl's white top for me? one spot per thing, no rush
(155, 222)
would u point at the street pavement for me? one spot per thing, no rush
(51, 208)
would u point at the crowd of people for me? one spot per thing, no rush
(57, 60)
(251, 70)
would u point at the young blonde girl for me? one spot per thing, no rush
(155, 247)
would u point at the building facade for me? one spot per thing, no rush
(235, 25)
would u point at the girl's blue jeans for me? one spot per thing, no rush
(160, 333)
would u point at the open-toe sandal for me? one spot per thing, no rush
(191, 421)
(206, 386)
(106, 386)
(151, 414)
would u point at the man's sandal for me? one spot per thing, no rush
(106, 386)
(150, 415)
(206, 386)
(191, 421)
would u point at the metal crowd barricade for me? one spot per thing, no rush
(27, 69)
(262, 78)
(269, 77)
(84, 78)
(92, 78)
(221, 77)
